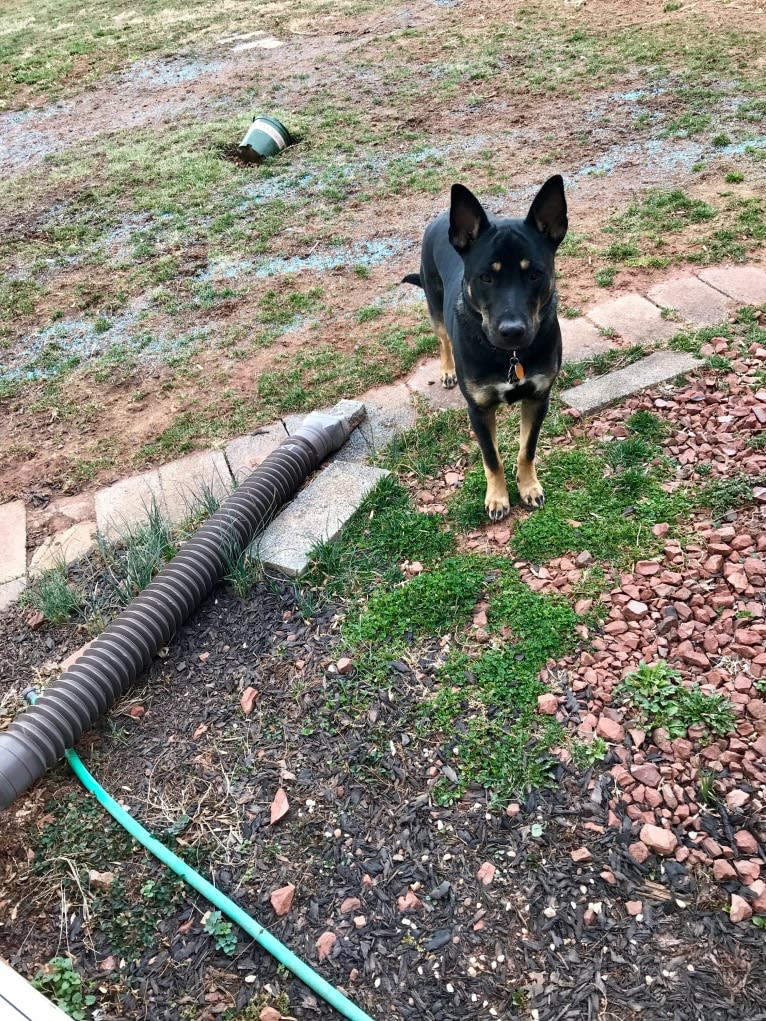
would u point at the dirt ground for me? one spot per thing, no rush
(77, 436)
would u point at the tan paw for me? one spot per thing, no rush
(531, 493)
(449, 379)
(498, 505)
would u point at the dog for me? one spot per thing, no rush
(490, 287)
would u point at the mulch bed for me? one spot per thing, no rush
(559, 907)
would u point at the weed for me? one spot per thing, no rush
(244, 572)
(586, 754)
(721, 140)
(79, 837)
(722, 495)
(708, 794)
(222, 932)
(60, 982)
(369, 312)
(734, 177)
(53, 596)
(662, 699)
(605, 276)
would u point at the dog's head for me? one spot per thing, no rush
(508, 264)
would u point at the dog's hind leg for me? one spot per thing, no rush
(532, 415)
(485, 427)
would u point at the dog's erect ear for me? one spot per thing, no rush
(467, 219)
(548, 212)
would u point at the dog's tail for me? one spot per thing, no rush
(413, 278)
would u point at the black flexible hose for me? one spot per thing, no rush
(72, 704)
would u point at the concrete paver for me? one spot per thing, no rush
(10, 592)
(317, 514)
(13, 540)
(426, 382)
(697, 302)
(634, 318)
(581, 340)
(65, 547)
(389, 412)
(655, 368)
(126, 503)
(186, 481)
(247, 452)
(745, 284)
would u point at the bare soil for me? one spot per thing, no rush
(43, 454)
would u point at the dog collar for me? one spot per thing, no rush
(515, 369)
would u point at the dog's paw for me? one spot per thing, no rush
(449, 380)
(532, 496)
(497, 508)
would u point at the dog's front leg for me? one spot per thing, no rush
(447, 372)
(532, 415)
(484, 426)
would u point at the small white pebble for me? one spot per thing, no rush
(649, 980)
(549, 912)
(450, 988)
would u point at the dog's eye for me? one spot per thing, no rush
(486, 278)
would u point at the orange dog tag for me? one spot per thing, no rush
(519, 370)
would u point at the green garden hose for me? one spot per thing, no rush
(262, 936)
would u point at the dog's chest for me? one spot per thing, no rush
(505, 392)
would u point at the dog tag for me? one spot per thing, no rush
(515, 369)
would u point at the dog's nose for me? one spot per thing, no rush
(511, 329)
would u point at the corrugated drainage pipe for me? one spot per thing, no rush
(84, 692)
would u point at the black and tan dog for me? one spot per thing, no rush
(491, 293)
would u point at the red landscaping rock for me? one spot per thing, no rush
(634, 907)
(746, 842)
(580, 855)
(639, 852)
(610, 730)
(659, 840)
(646, 774)
(723, 870)
(280, 806)
(409, 902)
(325, 943)
(740, 910)
(486, 873)
(282, 899)
(248, 699)
(635, 610)
(547, 704)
